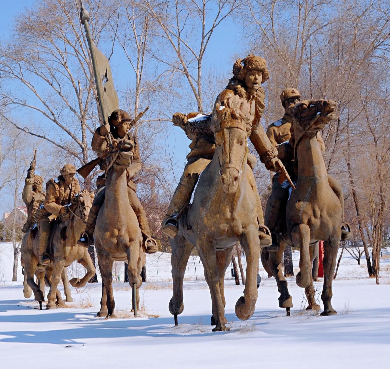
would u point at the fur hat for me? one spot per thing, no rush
(68, 169)
(242, 66)
(118, 116)
(38, 180)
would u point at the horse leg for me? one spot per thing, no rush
(29, 270)
(208, 256)
(223, 260)
(86, 262)
(181, 251)
(245, 305)
(301, 238)
(275, 264)
(107, 302)
(54, 295)
(309, 290)
(27, 291)
(40, 274)
(134, 266)
(330, 255)
(65, 282)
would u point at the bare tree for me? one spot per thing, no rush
(186, 30)
(47, 69)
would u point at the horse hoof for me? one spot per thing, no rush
(302, 282)
(214, 321)
(111, 316)
(221, 329)
(314, 307)
(50, 306)
(243, 309)
(285, 302)
(174, 309)
(329, 312)
(69, 299)
(74, 282)
(102, 314)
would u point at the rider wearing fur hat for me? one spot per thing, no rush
(243, 100)
(119, 124)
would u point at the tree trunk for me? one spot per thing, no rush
(16, 261)
(240, 264)
(357, 209)
(235, 270)
(338, 261)
(126, 277)
(288, 263)
(91, 251)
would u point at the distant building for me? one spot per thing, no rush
(20, 216)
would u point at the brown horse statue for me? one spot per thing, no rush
(64, 252)
(223, 212)
(43, 276)
(65, 247)
(313, 210)
(118, 235)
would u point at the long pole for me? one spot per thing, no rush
(84, 18)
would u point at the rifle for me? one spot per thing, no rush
(139, 116)
(31, 170)
(284, 173)
(86, 169)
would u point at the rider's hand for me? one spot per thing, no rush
(126, 145)
(104, 130)
(64, 210)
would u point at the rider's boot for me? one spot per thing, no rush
(44, 233)
(86, 238)
(181, 197)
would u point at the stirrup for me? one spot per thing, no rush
(170, 226)
(265, 236)
(150, 245)
(85, 240)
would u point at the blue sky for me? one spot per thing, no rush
(224, 45)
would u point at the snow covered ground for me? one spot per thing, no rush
(357, 337)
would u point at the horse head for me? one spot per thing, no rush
(311, 116)
(232, 149)
(81, 204)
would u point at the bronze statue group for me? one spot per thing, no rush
(306, 204)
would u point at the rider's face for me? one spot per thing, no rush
(290, 103)
(253, 80)
(123, 128)
(68, 178)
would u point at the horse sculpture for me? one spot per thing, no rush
(117, 234)
(64, 252)
(65, 247)
(313, 210)
(223, 212)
